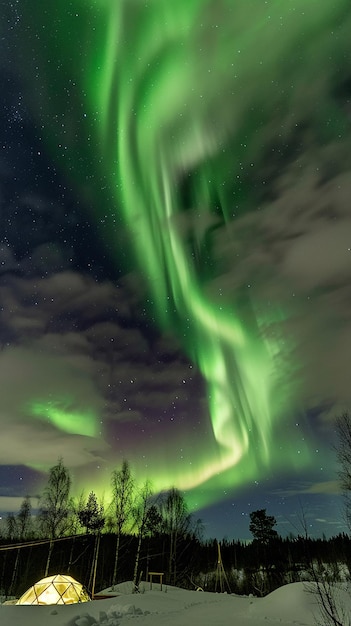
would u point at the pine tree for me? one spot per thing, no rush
(261, 526)
(91, 516)
(11, 527)
(24, 519)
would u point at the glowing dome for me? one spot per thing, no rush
(56, 589)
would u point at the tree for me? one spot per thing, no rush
(55, 504)
(176, 522)
(91, 516)
(141, 512)
(122, 484)
(343, 450)
(261, 526)
(12, 533)
(153, 521)
(18, 527)
(24, 519)
(11, 527)
(76, 504)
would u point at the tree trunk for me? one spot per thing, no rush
(92, 565)
(51, 547)
(116, 562)
(170, 559)
(136, 566)
(172, 566)
(14, 573)
(175, 558)
(71, 555)
(2, 585)
(28, 562)
(97, 546)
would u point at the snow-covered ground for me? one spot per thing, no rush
(291, 605)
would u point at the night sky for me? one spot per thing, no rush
(175, 254)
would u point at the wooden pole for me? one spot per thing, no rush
(95, 566)
(221, 576)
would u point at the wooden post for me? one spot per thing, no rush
(95, 566)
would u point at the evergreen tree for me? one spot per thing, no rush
(261, 526)
(11, 527)
(91, 516)
(24, 519)
(153, 525)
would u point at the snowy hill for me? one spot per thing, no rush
(292, 605)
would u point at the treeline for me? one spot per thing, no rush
(246, 568)
(258, 568)
(138, 532)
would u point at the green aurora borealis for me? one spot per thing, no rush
(161, 112)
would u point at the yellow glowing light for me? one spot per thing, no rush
(56, 589)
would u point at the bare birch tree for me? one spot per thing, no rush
(141, 510)
(343, 450)
(176, 524)
(55, 505)
(122, 483)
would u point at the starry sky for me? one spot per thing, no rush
(175, 255)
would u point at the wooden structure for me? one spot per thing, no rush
(160, 576)
(221, 577)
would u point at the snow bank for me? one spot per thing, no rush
(291, 605)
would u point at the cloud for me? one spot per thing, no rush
(40, 445)
(329, 487)
(13, 503)
(75, 348)
(32, 375)
(291, 254)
